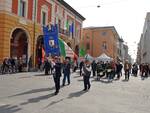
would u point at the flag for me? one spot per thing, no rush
(71, 28)
(82, 52)
(65, 50)
(62, 48)
(67, 25)
(51, 43)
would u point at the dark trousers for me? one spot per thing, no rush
(94, 72)
(57, 83)
(20, 68)
(4, 68)
(113, 74)
(66, 75)
(75, 68)
(118, 74)
(86, 82)
(51, 70)
(80, 71)
(46, 72)
(110, 75)
(146, 73)
(127, 74)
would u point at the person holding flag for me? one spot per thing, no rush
(57, 74)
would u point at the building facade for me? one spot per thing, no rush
(120, 48)
(144, 46)
(98, 40)
(125, 52)
(21, 24)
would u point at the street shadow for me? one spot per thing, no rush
(105, 81)
(124, 80)
(80, 80)
(70, 96)
(77, 76)
(9, 109)
(76, 94)
(143, 78)
(34, 91)
(38, 99)
(101, 81)
(25, 77)
(42, 75)
(53, 103)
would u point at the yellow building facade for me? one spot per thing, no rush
(20, 29)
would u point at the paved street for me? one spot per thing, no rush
(33, 93)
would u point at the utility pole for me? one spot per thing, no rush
(34, 31)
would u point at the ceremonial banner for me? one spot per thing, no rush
(51, 43)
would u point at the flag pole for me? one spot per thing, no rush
(34, 31)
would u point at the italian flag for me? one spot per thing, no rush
(65, 50)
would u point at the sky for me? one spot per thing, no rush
(128, 17)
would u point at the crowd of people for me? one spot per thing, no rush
(98, 69)
(144, 69)
(12, 65)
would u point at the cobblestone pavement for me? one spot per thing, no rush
(33, 93)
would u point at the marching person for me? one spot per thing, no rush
(135, 69)
(86, 75)
(66, 71)
(57, 74)
(109, 71)
(127, 70)
(81, 66)
(94, 68)
(47, 66)
(146, 69)
(119, 67)
(5, 65)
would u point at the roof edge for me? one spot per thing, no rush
(71, 9)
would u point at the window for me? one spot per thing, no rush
(104, 46)
(87, 37)
(104, 33)
(43, 18)
(23, 8)
(59, 24)
(87, 46)
(44, 15)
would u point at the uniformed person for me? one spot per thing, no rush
(57, 74)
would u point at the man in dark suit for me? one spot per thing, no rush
(94, 65)
(57, 74)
